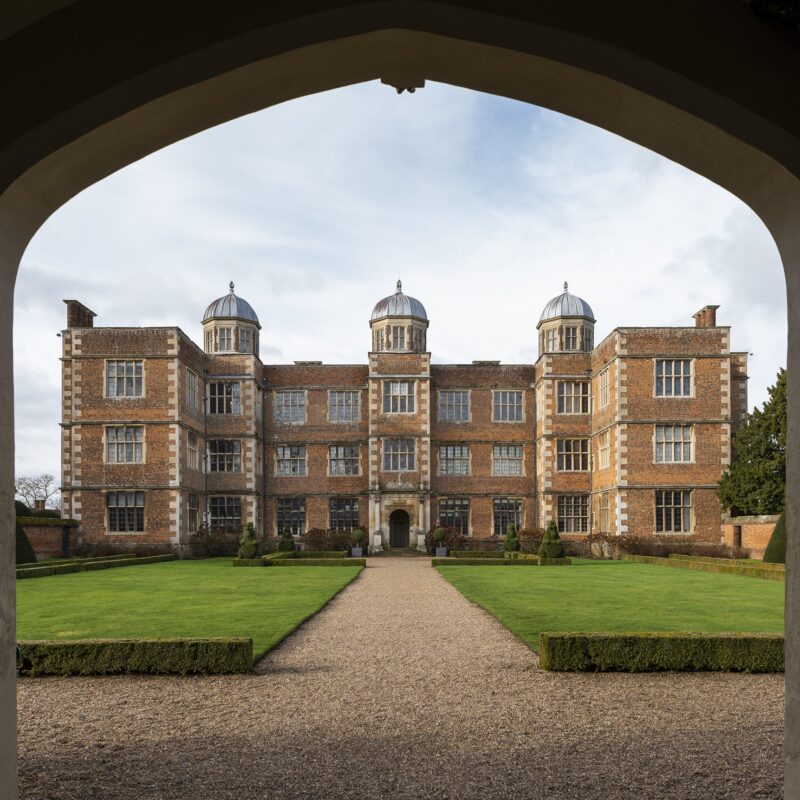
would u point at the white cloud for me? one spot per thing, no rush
(482, 205)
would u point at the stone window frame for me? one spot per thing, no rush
(356, 406)
(232, 402)
(295, 507)
(682, 377)
(224, 455)
(224, 336)
(604, 449)
(192, 512)
(192, 463)
(571, 335)
(567, 454)
(451, 460)
(142, 386)
(225, 502)
(678, 446)
(551, 340)
(399, 338)
(349, 512)
(399, 402)
(283, 413)
(289, 457)
(459, 512)
(604, 513)
(441, 393)
(603, 391)
(508, 405)
(335, 458)
(192, 389)
(582, 398)
(125, 522)
(506, 458)
(501, 511)
(246, 340)
(572, 513)
(108, 444)
(408, 454)
(664, 507)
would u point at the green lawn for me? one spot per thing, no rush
(177, 598)
(619, 596)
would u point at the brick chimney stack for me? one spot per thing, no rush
(706, 317)
(78, 316)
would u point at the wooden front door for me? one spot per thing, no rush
(398, 529)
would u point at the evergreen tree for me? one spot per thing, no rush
(551, 546)
(756, 480)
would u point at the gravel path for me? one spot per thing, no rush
(401, 688)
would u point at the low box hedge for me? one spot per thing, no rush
(485, 562)
(57, 562)
(554, 562)
(733, 561)
(127, 562)
(320, 554)
(655, 652)
(43, 572)
(742, 569)
(280, 555)
(319, 562)
(149, 656)
(248, 562)
(477, 553)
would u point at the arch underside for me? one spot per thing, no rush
(61, 144)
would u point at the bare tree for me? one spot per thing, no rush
(44, 488)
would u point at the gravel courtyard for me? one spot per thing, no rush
(401, 688)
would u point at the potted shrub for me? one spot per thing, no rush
(440, 540)
(356, 551)
(248, 544)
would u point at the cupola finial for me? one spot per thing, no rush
(231, 285)
(399, 286)
(566, 287)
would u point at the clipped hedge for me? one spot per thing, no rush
(89, 565)
(52, 522)
(150, 656)
(735, 568)
(735, 562)
(775, 552)
(57, 562)
(280, 555)
(485, 562)
(655, 652)
(127, 562)
(320, 554)
(24, 551)
(248, 562)
(477, 553)
(319, 562)
(554, 562)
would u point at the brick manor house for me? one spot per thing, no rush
(160, 436)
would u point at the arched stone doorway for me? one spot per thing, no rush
(399, 528)
(69, 123)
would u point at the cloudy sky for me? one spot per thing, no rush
(483, 206)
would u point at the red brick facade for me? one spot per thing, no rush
(160, 436)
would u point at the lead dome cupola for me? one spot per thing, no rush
(566, 325)
(230, 325)
(399, 324)
(399, 305)
(230, 306)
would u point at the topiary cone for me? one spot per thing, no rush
(551, 546)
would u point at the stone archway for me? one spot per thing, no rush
(709, 86)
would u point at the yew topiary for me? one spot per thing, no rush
(551, 546)
(25, 554)
(511, 544)
(248, 545)
(286, 542)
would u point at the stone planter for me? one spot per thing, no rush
(441, 552)
(356, 552)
